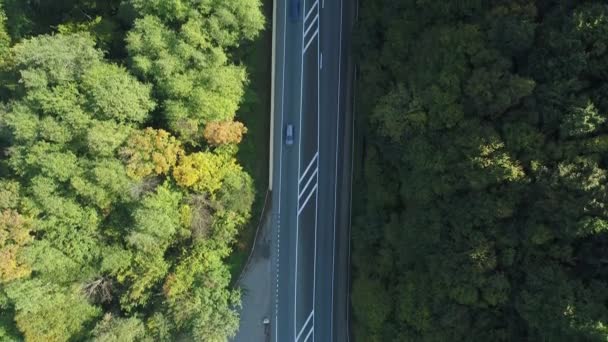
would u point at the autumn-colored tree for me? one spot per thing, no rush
(15, 234)
(224, 132)
(151, 151)
(98, 212)
(204, 171)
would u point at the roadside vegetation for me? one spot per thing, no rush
(254, 112)
(121, 188)
(483, 211)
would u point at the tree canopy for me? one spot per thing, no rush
(117, 213)
(484, 211)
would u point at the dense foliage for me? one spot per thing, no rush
(120, 191)
(485, 210)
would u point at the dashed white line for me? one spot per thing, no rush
(321, 61)
(276, 317)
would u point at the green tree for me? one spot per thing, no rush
(483, 171)
(116, 329)
(48, 312)
(198, 296)
(181, 47)
(156, 223)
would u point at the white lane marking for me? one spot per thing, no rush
(314, 276)
(305, 324)
(333, 263)
(310, 164)
(323, 4)
(321, 61)
(312, 8)
(314, 35)
(309, 333)
(295, 288)
(314, 176)
(312, 24)
(314, 189)
(276, 313)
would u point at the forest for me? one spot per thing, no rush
(121, 193)
(483, 169)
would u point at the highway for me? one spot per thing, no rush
(312, 177)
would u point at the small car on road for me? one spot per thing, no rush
(289, 134)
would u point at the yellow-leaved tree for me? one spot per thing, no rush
(151, 151)
(204, 171)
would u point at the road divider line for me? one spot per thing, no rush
(321, 61)
(314, 189)
(314, 278)
(309, 334)
(278, 237)
(305, 325)
(312, 24)
(333, 261)
(310, 164)
(314, 35)
(312, 8)
(314, 176)
(299, 140)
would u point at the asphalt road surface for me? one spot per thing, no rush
(311, 177)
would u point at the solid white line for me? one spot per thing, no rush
(312, 161)
(312, 176)
(333, 263)
(312, 23)
(310, 332)
(295, 288)
(305, 324)
(314, 188)
(312, 8)
(314, 274)
(310, 40)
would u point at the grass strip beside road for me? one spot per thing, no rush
(254, 149)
